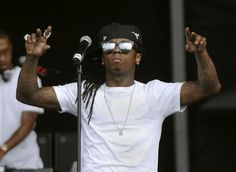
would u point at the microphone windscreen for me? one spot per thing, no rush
(87, 39)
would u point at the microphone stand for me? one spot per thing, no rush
(79, 74)
(85, 42)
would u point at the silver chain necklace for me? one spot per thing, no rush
(112, 116)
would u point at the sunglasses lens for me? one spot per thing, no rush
(108, 47)
(125, 47)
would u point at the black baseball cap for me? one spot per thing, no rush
(116, 30)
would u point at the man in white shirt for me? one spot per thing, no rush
(18, 145)
(121, 117)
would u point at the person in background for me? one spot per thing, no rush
(121, 117)
(18, 144)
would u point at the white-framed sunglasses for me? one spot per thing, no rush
(124, 46)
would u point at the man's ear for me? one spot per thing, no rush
(138, 58)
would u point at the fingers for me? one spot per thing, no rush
(194, 37)
(187, 32)
(38, 35)
(199, 42)
(36, 43)
(194, 41)
(188, 48)
(26, 37)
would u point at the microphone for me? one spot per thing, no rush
(85, 42)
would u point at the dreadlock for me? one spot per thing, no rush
(90, 91)
(92, 82)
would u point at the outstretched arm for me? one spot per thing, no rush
(27, 89)
(208, 83)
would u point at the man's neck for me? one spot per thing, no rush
(119, 82)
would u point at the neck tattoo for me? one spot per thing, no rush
(120, 130)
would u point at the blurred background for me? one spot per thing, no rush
(211, 123)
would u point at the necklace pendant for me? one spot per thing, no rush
(121, 133)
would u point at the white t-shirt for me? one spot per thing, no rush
(26, 153)
(103, 149)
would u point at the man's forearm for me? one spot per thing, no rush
(27, 82)
(207, 75)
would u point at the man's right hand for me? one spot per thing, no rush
(36, 43)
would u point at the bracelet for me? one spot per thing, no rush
(4, 147)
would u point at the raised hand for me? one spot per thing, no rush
(36, 43)
(194, 43)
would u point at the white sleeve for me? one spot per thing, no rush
(66, 95)
(167, 96)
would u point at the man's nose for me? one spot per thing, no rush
(117, 49)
